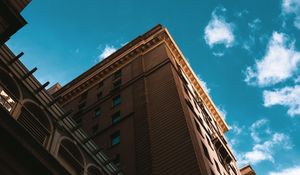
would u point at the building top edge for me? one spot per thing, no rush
(133, 44)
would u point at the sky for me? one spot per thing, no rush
(246, 53)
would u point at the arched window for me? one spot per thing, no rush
(71, 157)
(9, 91)
(35, 121)
(93, 170)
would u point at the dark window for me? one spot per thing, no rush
(117, 84)
(116, 160)
(100, 84)
(116, 117)
(81, 106)
(209, 142)
(95, 128)
(117, 100)
(97, 112)
(99, 95)
(78, 120)
(198, 127)
(83, 96)
(206, 152)
(115, 138)
(117, 74)
(217, 165)
(6, 101)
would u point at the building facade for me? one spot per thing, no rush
(37, 135)
(247, 170)
(146, 107)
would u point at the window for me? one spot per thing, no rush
(116, 100)
(198, 127)
(78, 120)
(116, 117)
(101, 84)
(6, 101)
(117, 84)
(81, 106)
(217, 165)
(97, 113)
(206, 152)
(117, 74)
(115, 138)
(209, 142)
(83, 96)
(99, 95)
(116, 160)
(95, 129)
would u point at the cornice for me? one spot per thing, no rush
(180, 59)
(114, 62)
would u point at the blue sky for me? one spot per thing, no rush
(247, 53)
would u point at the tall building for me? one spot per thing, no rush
(37, 136)
(10, 19)
(147, 109)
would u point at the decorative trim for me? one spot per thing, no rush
(118, 60)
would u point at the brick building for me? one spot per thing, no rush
(146, 107)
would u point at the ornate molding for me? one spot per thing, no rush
(180, 59)
(123, 57)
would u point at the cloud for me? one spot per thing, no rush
(242, 13)
(265, 151)
(256, 125)
(297, 79)
(222, 111)
(265, 144)
(204, 84)
(218, 31)
(288, 171)
(287, 96)
(254, 24)
(236, 130)
(292, 7)
(107, 51)
(278, 64)
(218, 54)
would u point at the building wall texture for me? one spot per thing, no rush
(168, 124)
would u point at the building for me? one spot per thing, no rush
(146, 107)
(10, 19)
(247, 170)
(37, 135)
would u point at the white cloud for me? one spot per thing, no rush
(292, 7)
(242, 13)
(279, 63)
(204, 84)
(253, 129)
(288, 171)
(235, 129)
(218, 54)
(265, 151)
(107, 51)
(264, 148)
(254, 24)
(287, 96)
(222, 111)
(218, 31)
